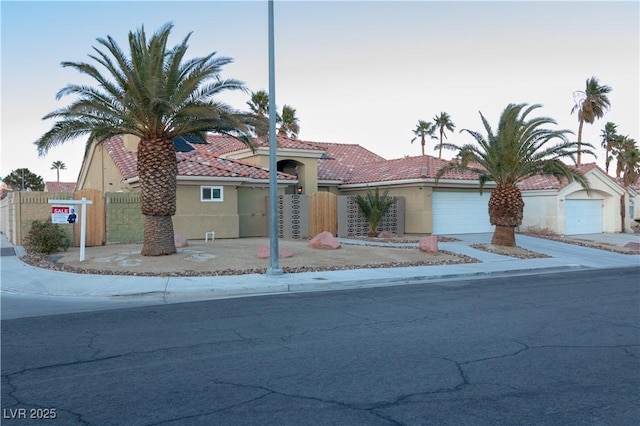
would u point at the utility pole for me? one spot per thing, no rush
(274, 261)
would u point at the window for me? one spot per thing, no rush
(211, 193)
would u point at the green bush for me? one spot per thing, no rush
(46, 237)
(374, 206)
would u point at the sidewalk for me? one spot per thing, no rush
(18, 277)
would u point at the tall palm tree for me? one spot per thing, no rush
(517, 150)
(153, 93)
(627, 154)
(259, 103)
(443, 122)
(591, 103)
(57, 166)
(625, 150)
(288, 121)
(423, 130)
(608, 135)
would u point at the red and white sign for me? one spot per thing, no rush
(60, 214)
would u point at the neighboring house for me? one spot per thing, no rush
(567, 209)
(60, 186)
(222, 184)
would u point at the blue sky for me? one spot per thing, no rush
(357, 72)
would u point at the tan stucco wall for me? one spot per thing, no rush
(252, 209)
(102, 173)
(540, 212)
(307, 172)
(193, 217)
(23, 207)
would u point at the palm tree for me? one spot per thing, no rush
(518, 150)
(622, 148)
(259, 103)
(627, 154)
(288, 121)
(374, 206)
(443, 122)
(57, 166)
(155, 94)
(422, 130)
(608, 135)
(592, 103)
(259, 107)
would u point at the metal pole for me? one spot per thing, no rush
(274, 261)
(83, 227)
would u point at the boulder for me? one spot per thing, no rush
(264, 252)
(180, 241)
(387, 234)
(324, 241)
(428, 244)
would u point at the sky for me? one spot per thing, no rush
(360, 72)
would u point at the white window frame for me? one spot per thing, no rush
(212, 200)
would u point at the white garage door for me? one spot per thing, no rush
(461, 212)
(583, 217)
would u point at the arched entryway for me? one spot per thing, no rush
(296, 169)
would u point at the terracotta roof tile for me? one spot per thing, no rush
(407, 168)
(223, 144)
(541, 182)
(60, 186)
(200, 162)
(343, 160)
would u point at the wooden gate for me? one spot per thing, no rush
(96, 231)
(323, 213)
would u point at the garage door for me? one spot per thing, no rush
(583, 217)
(461, 212)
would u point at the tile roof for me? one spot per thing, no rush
(407, 168)
(223, 144)
(342, 160)
(60, 186)
(199, 162)
(541, 182)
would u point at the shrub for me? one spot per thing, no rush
(46, 237)
(374, 206)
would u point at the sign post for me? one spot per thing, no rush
(61, 209)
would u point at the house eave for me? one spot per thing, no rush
(280, 152)
(442, 183)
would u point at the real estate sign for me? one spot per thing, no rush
(59, 214)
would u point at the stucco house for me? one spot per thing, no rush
(567, 209)
(223, 182)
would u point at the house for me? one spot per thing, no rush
(224, 184)
(567, 209)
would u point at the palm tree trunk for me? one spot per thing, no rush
(578, 160)
(623, 211)
(58, 174)
(504, 236)
(422, 145)
(440, 152)
(157, 170)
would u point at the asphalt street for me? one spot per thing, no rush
(560, 348)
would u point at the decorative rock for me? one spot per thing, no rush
(264, 252)
(429, 244)
(180, 241)
(632, 245)
(387, 234)
(324, 241)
